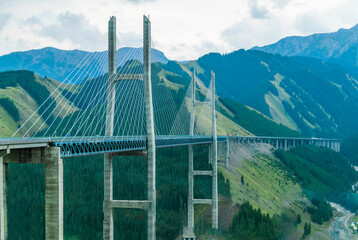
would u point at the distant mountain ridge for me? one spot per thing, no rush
(58, 64)
(339, 47)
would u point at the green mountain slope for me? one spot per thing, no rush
(305, 94)
(268, 184)
(27, 91)
(349, 149)
(259, 177)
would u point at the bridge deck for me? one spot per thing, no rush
(82, 146)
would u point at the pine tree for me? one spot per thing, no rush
(299, 220)
(305, 229)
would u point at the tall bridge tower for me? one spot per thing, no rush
(189, 229)
(109, 203)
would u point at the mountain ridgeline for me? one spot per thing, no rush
(58, 64)
(338, 47)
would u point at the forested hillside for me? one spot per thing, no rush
(83, 195)
(323, 174)
(319, 169)
(319, 99)
(25, 92)
(350, 150)
(21, 94)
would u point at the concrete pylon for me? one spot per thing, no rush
(149, 114)
(227, 155)
(3, 207)
(53, 194)
(214, 149)
(189, 231)
(108, 163)
(209, 153)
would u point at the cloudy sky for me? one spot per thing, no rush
(182, 29)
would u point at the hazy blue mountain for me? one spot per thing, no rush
(339, 47)
(318, 98)
(58, 64)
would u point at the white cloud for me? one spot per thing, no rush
(259, 12)
(182, 29)
(3, 19)
(76, 29)
(129, 39)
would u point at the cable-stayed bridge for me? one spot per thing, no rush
(119, 108)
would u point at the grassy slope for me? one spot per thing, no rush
(277, 109)
(228, 122)
(26, 105)
(56, 87)
(268, 185)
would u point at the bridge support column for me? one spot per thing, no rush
(189, 230)
(108, 233)
(209, 154)
(334, 146)
(3, 207)
(331, 146)
(286, 145)
(53, 194)
(227, 155)
(215, 223)
(276, 143)
(189, 234)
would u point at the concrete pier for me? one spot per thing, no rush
(214, 149)
(3, 207)
(209, 155)
(227, 155)
(50, 157)
(108, 233)
(53, 194)
(189, 230)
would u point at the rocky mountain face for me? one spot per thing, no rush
(339, 47)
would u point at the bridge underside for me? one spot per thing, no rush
(76, 149)
(83, 146)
